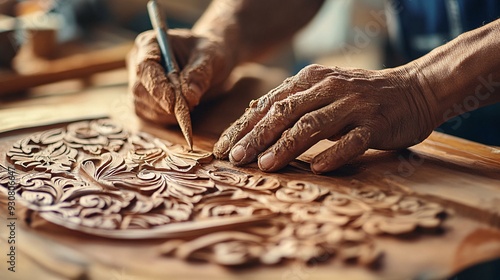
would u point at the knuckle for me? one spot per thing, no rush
(289, 80)
(337, 86)
(282, 109)
(263, 103)
(287, 141)
(253, 104)
(315, 69)
(336, 69)
(310, 122)
(277, 109)
(145, 38)
(270, 102)
(311, 74)
(140, 39)
(364, 134)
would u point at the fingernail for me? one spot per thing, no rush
(318, 167)
(237, 154)
(267, 161)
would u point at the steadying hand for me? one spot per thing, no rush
(361, 109)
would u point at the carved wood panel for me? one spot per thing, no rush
(99, 179)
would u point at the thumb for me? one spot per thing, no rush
(350, 146)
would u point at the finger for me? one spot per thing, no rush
(307, 131)
(350, 146)
(147, 109)
(150, 73)
(253, 114)
(155, 81)
(282, 115)
(259, 108)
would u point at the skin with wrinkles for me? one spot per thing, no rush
(223, 37)
(313, 105)
(359, 109)
(386, 109)
(152, 88)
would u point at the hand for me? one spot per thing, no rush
(205, 63)
(361, 109)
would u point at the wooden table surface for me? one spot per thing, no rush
(461, 175)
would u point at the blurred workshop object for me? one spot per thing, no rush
(7, 48)
(57, 42)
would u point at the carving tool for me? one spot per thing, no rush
(181, 108)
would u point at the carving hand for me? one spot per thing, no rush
(361, 109)
(204, 63)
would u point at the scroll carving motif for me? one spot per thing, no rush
(97, 178)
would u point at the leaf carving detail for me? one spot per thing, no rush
(97, 178)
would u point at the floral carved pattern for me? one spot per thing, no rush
(96, 178)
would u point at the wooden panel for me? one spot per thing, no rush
(461, 176)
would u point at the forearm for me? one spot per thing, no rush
(253, 27)
(462, 75)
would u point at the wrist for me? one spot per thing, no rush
(419, 95)
(424, 91)
(219, 24)
(461, 75)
